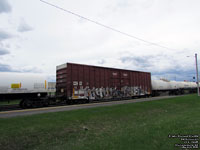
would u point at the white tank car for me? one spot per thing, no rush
(11, 82)
(193, 85)
(174, 85)
(160, 85)
(164, 87)
(171, 85)
(186, 85)
(180, 85)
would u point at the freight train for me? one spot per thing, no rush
(84, 83)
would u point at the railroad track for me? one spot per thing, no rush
(58, 108)
(9, 107)
(17, 107)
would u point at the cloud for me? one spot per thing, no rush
(5, 6)
(25, 69)
(142, 62)
(169, 23)
(30, 69)
(102, 61)
(24, 27)
(175, 74)
(3, 51)
(160, 66)
(5, 68)
(4, 35)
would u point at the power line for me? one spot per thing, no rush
(105, 26)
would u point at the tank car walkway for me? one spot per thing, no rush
(14, 113)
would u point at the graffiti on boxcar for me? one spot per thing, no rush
(107, 93)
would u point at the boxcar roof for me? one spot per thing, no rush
(104, 67)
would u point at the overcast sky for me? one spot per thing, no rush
(35, 37)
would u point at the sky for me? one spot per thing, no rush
(36, 37)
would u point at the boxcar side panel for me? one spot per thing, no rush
(84, 81)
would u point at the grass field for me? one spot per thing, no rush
(11, 102)
(139, 126)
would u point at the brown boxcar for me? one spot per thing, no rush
(77, 81)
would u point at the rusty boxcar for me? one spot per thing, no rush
(78, 81)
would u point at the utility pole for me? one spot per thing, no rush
(197, 74)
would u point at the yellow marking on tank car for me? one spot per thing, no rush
(15, 85)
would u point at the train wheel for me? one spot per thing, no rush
(88, 100)
(45, 104)
(21, 104)
(68, 102)
(28, 103)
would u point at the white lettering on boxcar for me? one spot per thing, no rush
(125, 74)
(75, 82)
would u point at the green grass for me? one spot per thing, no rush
(10, 102)
(144, 125)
